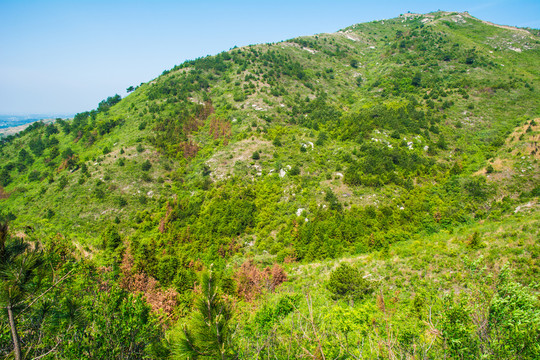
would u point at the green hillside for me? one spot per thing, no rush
(369, 193)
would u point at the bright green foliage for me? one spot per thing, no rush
(514, 315)
(354, 322)
(124, 327)
(371, 145)
(458, 331)
(208, 335)
(19, 270)
(111, 238)
(268, 316)
(74, 309)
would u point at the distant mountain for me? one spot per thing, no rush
(12, 124)
(16, 120)
(7, 121)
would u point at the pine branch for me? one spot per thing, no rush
(46, 291)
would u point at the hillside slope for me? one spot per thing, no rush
(368, 144)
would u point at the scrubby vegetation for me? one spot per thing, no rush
(371, 193)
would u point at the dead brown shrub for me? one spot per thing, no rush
(251, 281)
(3, 193)
(220, 128)
(189, 149)
(140, 282)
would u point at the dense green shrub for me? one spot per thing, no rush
(110, 239)
(347, 283)
(146, 165)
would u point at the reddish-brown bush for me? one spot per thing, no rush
(251, 281)
(139, 282)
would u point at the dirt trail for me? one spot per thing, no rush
(507, 27)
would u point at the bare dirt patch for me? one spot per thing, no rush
(518, 156)
(222, 163)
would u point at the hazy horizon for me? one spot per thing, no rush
(34, 115)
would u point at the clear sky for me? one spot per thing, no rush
(63, 57)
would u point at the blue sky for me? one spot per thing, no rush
(63, 57)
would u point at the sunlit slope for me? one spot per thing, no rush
(379, 129)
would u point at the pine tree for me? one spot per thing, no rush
(19, 266)
(208, 335)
